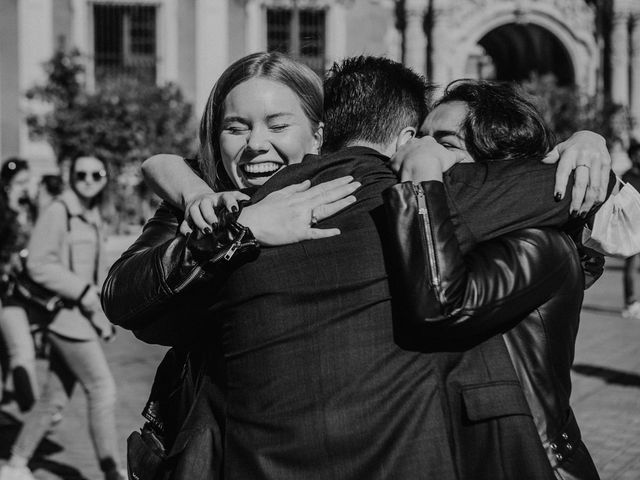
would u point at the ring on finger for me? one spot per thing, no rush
(583, 165)
(314, 219)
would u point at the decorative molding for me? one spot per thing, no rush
(459, 25)
(313, 4)
(626, 6)
(577, 15)
(416, 7)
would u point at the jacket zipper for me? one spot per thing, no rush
(234, 246)
(426, 231)
(198, 270)
(192, 276)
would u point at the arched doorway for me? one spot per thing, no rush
(513, 52)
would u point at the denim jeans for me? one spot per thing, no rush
(15, 329)
(72, 362)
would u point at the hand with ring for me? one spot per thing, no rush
(587, 150)
(290, 215)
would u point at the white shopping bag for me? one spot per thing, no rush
(616, 225)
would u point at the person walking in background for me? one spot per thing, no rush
(66, 255)
(49, 188)
(15, 181)
(631, 305)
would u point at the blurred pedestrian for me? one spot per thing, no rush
(49, 188)
(15, 181)
(631, 305)
(66, 255)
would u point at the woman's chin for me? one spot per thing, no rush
(256, 180)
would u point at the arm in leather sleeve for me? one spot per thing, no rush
(456, 296)
(150, 288)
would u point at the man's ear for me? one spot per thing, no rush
(318, 138)
(406, 134)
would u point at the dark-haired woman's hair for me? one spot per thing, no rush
(10, 168)
(8, 230)
(9, 227)
(272, 66)
(501, 123)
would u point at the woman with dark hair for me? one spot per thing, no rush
(453, 285)
(15, 182)
(66, 255)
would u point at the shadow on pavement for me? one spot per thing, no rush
(9, 428)
(601, 309)
(609, 375)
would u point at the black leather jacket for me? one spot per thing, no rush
(149, 285)
(527, 285)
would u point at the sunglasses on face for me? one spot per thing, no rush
(96, 175)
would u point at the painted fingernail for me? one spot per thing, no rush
(583, 215)
(207, 230)
(573, 213)
(558, 197)
(214, 225)
(234, 208)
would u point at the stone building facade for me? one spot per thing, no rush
(594, 44)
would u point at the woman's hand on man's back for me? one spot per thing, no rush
(585, 153)
(289, 215)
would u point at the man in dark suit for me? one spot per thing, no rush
(315, 386)
(357, 405)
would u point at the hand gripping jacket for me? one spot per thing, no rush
(532, 276)
(139, 294)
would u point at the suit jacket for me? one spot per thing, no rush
(317, 388)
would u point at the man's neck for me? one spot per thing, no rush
(387, 150)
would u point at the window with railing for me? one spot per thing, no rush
(124, 42)
(300, 32)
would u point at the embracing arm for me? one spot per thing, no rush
(150, 286)
(173, 180)
(456, 296)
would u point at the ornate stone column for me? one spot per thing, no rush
(80, 22)
(336, 37)
(415, 37)
(254, 27)
(35, 46)
(620, 58)
(168, 42)
(212, 46)
(635, 75)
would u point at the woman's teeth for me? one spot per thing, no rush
(263, 167)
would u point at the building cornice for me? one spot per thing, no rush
(314, 4)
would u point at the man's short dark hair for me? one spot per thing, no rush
(371, 99)
(502, 124)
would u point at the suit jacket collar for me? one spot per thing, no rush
(313, 165)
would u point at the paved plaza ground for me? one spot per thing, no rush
(606, 395)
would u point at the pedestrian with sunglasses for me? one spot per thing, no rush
(66, 255)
